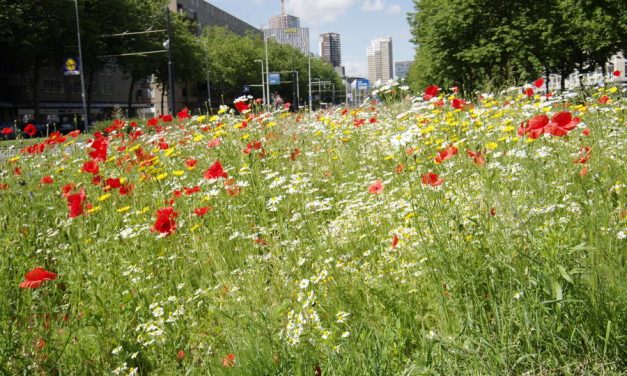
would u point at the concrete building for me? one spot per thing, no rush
(285, 29)
(59, 96)
(401, 69)
(331, 48)
(380, 58)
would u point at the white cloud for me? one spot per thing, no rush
(393, 9)
(373, 5)
(356, 68)
(317, 12)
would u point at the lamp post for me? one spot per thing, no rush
(263, 82)
(171, 94)
(310, 97)
(80, 66)
(265, 39)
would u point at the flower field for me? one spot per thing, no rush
(424, 236)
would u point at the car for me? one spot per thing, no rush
(66, 125)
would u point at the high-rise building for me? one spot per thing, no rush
(380, 59)
(285, 29)
(402, 68)
(331, 49)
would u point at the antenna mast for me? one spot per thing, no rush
(283, 7)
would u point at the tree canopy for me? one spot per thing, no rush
(487, 44)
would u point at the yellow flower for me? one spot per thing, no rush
(198, 137)
(162, 176)
(93, 210)
(123, 209)
(14, 159)
(104, 197)
(492, 145)
(178, 173)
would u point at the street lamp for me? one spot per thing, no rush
(310, 97)
(265, 39)
(170, 64)
(263, 82)
(80, 65)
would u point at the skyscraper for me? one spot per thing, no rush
(380, 66)
(331, 49)
(285, 29)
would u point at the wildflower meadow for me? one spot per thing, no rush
(413, 235)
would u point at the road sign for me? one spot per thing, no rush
(71, 67)
(362, 84)
(246, 89)
(274, 78)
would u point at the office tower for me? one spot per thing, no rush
(380, 59)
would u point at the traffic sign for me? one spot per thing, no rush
(246, 89)
(362, 84)
(274, 78)
(71, 67)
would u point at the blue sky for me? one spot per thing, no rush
(357, 21)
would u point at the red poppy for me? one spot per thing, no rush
(191, 163)
(17, 171)
(47, 180)
(399, 168)
(183, 114)
(535, 126)
(65, 191)
(477, 157)
(191, 191)
(180, 356)
(113, 183)
(431, 92)
(255, 145)
(7, 131)
(30, 130)
(177, 193)
(242, 106)
(91, 167)
(36, 277)
(152, 122)
(165, 223)
(75, 203)
(167, 118)
(561, 123)
(394, 241)
(616, 73)
(457, 103)
(229, 361)
(432, 179)
(4, 186)
(376, 188)
(584, 155)
(528, 92)
(448, 153)
(538, 83)
(202, 211)
(586, 132)
(126, 189)
(163, 145)
(604, 99)
(216, 171)
(100, 145)
(359, 122)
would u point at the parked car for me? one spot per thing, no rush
(66, 125)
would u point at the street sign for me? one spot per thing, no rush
(246, 89)
(362, 84)
(274, 78)
(71, 67)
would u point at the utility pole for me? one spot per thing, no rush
(310, 97)
(263, 82)
(80, 67)
(171, 89)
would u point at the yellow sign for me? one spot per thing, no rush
(70, 68)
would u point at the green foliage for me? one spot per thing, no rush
(485, 44)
